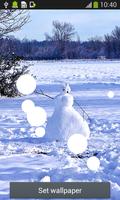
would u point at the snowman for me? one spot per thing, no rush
(65, 120)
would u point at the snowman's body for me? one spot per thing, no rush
(65, 120)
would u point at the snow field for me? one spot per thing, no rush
(25, 156)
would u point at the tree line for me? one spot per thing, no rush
(62, 45)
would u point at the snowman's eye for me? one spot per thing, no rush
(67, 92)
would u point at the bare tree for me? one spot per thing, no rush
(12, 20)
(112, 44)
(116, 33)
(62, 34)
(62, 31)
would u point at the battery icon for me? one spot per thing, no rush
(95, 4)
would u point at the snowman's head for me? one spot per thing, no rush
(66, 88)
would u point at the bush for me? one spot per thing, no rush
(11, 69)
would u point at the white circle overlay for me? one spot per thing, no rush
(37, 117)
(45, 179)
(26, 84)
(40, 132)
(77, 143)
(110, 94)
(93, 163)
(27, 105)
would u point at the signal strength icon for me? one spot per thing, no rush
(89, 5)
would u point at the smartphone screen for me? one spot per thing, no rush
(59, 100)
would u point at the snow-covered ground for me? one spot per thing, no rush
(24, 157)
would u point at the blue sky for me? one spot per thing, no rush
(88, 23)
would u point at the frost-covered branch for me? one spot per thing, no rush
(12, 20)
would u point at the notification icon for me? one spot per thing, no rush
(6, 5)
(14, 4)
(23, 4)
(32, 4)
